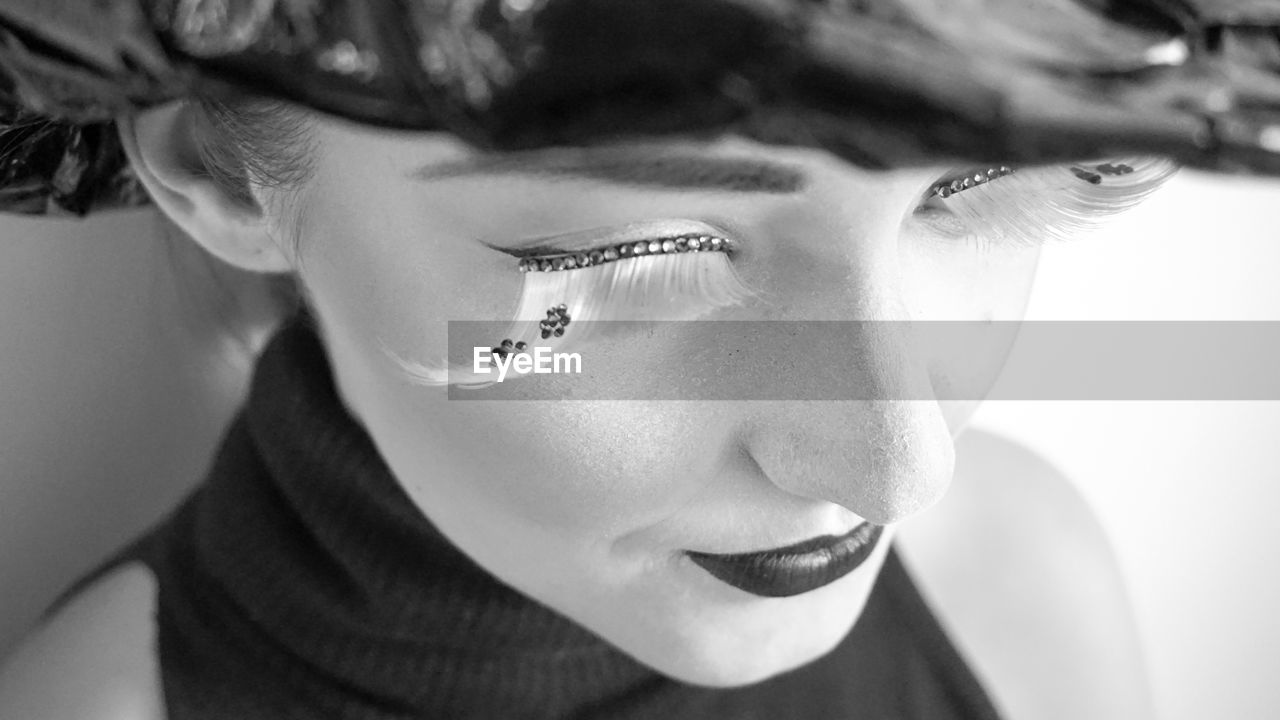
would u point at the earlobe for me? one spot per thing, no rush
(162, 148)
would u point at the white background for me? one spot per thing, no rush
(114, 387)
(1188, 491)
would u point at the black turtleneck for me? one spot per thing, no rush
(300, 582)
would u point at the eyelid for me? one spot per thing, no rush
(600, 238)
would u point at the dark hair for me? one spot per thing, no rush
(243, 142)
(248, 140)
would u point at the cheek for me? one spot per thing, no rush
(598, 469)
(956, 281)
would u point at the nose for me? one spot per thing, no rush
(885, 457)
(883, 460)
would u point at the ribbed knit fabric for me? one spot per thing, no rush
(300, 582)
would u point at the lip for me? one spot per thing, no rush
(794, 569)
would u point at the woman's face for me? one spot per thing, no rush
(590, 505)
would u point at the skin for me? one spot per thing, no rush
(588, 506)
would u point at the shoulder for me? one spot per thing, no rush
(1018, 568)
(93, 659)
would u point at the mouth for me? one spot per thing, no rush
(794, 569)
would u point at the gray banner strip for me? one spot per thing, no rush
(890, 360)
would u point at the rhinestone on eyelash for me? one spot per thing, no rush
(668, 246)
(555, 323)
(947, 188)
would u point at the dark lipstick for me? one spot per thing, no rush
(794, 569)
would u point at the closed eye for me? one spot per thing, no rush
(1030, 205)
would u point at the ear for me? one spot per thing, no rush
(162, 148)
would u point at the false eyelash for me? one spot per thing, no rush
(1035, 204)
(668, 287)
(547, 260)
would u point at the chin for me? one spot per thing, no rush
(733, 657)
(747, 668)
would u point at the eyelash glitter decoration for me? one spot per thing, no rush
(1113, 168)
(1088, 176)
(947, 188)
(622, 251)
(1093, 175)
(506, 347)
(556, 322)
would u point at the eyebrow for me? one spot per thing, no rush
(632, 166)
